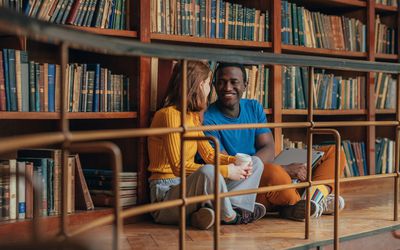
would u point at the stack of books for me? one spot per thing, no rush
(100, 185)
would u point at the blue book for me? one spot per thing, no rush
(12, 80)
(6, 79)
(364, 158)
(37, 87)
(334, 93)
(96, 86)
(51, 88)
(221, 32)
(112, 14)
(202, 25)
(32, 86)
(40, 175)
(295, 28)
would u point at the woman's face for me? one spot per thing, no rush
(205, 85)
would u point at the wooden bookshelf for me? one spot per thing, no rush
(268, 111)
(140, 29)
(102, 115)
(50, 224)
(72, 115)
(324, 112)
(382, 7)
(340, 3)
(386, 56)
(106, 32)
(385, 111)
(29, 115)
(324, 52)
(209, 41)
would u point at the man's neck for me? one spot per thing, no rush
(232, 112)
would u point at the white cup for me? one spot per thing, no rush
(242, 159)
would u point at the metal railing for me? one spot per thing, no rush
(66, 38)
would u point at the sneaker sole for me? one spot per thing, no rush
(298, 213)
(203, 218)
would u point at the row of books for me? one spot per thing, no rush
(43, 167)
(316, 30)
(257, 87)
(330, 91)
(356, 164)
(385, 37)
(385, 91)
(109, 14)
(384, 156)
(100, 184)
(93, 88)
(209, 18)
(355, 158)
(26, 86)
(387, 2)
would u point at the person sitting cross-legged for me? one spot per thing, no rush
(230, 83)
(164, 155)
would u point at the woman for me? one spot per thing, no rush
(165, 166)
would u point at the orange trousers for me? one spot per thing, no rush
(276, 175)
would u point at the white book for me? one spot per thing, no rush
(13, 189)
(21, 190)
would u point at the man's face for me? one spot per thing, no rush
(230, 86)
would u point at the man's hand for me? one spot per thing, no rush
(297, 170)
(237, 173)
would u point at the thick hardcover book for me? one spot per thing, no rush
(96, 85)
(24, 81)
(12, 80)
(51, 87)
(83, 198)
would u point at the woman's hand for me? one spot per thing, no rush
(238, 172)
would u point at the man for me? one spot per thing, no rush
(230, 83)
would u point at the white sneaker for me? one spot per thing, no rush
(327, 205)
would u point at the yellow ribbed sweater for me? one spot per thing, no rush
(164, 150)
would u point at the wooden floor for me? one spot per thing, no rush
(364, 214)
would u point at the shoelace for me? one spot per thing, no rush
(324, 203)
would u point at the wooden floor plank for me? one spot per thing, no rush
(364, 212)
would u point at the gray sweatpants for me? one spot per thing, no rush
(201, 182)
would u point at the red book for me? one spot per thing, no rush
(2, 85)
(73, 12)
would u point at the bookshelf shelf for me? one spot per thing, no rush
(106, 32)
(386, 56)
(349, 3)
(29, 115)
(382, 7)
(385, 111)
(75, 115)
(268, 111)
(325, 52)
(50, 224)
(213, 41)
(101, 115)
(324, 112)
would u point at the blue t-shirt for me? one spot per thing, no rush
(242, 140)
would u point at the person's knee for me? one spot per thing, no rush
(207, 170)
(275, 175)
(258, 165)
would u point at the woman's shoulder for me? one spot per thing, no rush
(166, 111)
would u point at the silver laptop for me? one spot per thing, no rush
(291, 155)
